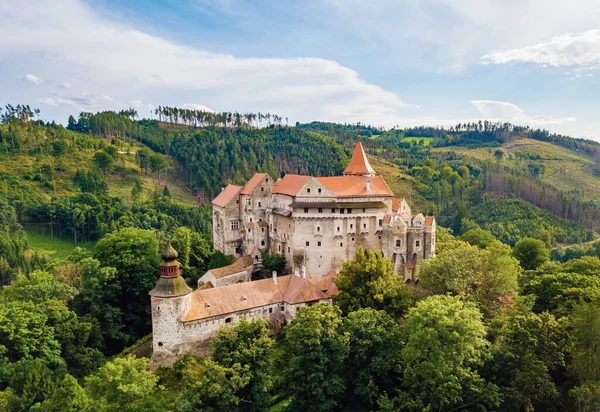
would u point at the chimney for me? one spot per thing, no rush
(304, 271)
(368, 186)
(222, 188)
(296, 271)
(275, 277)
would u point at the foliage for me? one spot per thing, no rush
(445, 346)
(274, 262)
(315, 350)
(369, 281)
(68, 396)
(531, 253)
(585, 332)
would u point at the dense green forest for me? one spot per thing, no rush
(505, 318)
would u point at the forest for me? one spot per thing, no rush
(506, 317)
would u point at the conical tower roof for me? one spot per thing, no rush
(359, 164)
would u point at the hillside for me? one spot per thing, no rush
(570, 171)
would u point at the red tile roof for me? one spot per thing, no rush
(359, 164)
(245, 261)
(252, 183)
(250, 225)
(248, 295)
(387, 219)
(290, 184)
(396, 203)
(227, 270)
(226, 195)
(429, 221)
(348, 186)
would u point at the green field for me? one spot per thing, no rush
(426, 140)
(54, 247)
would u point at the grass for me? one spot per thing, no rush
(54, 247)
(568, 171)
(426, 140)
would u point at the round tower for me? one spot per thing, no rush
(170, 302)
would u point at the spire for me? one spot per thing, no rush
(170, 284)
(359, 164)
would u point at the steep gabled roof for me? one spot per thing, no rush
(347, 186)
(252, 183)
(228, 270)
(396, 203)
(226, 195)
(429, 220)
(359, 164)
(290, 184)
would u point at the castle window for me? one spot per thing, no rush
(270, 310)
(308, 190)
(289, 250)
(364, 210)
(418, 243)
(319, 244)
(158, 308)
(380, 222)
(259, 204)
(282, 308)
(262, 242)
(279, 248)
(341, 245)
(364, 225)
(305, 210)
(267, 180)
(353, 239)
(262, 229)
(237, 201)
(235, 225)
(342, 211)
(398, 242)
(379, 237)
(160, 343)
(351, 226)
(319, 190)
(320, 210)
(338, 228)
(307, 243)
(228, 320)
(250, 220)
(332, 210)
(318, 228)
(349, 211)
(249, 230)
(262, 189)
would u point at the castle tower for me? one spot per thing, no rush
(359, 164)
(170, 302)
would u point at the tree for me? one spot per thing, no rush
(315, 350)
(369, 281)
(248, 345)
(166, 191)
(531, 253)
(373, 364)
(478, 237)
(134, 253)
(30, 379)
(467, 271)
(585, 331)
(68, 396)
(445, 345)
(158, 164)
(527, 351)
(274, 262)
(104, 161)
(123, 384)
(143, 158)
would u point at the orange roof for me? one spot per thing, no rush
(245, 261)
(290, 184)
(344, 186)
(291, 289)
(359, 164)
(226, 195)
(396, 203)
(252, 183)
(409, 265)
(387, 219)
(429, 221)
(227, 270)
(262, 224)
(249, 225)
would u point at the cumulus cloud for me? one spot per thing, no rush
(31, 78)
(128, 63)
(494, 110)
(565, 50)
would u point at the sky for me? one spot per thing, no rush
(379, 62)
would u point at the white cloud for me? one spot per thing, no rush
(194, 106)
(32, 78)
(494, 110)
(125, 62)
(564, 50)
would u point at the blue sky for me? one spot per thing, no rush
(380, 62)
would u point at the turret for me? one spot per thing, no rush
(170, 301)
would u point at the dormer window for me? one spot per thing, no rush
(308, 190)
(319, 190)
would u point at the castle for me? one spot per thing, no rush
(318, 222)
(315, 222)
